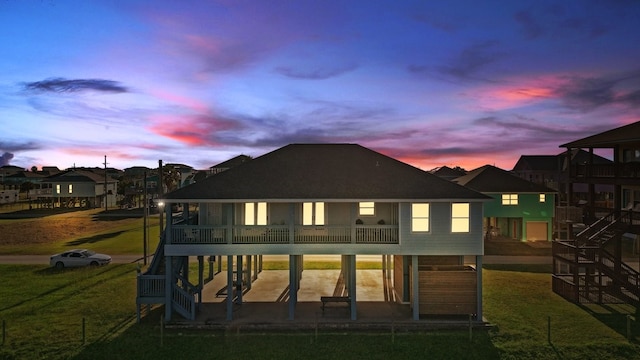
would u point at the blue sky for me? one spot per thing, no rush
(432, 83)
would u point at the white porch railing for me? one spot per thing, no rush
(322, 234)
(381, 234)
(280, 234)
(193, 234)
(270, 234)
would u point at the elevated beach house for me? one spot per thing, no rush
(520, 210)
(323, 199)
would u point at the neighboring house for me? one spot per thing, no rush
(551, 171)
(25, 177)
(622, 175)
(334, 199)
(520, 209)
(73, 188)
(8, 170)
(588, 265)
(226, 165)
(540, 169)
(131, 185)
(8, 196)
(448, 173)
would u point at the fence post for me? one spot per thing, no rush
(629, 337)
(393, 331)
(84, 338)
(549, 329)
(4, 331)
(470, 329)
(161, 330)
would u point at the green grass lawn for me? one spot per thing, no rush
(116, 240)
(43, 310)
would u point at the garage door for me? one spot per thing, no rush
(536, 230)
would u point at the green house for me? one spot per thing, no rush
(520, 209)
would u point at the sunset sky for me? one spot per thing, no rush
(431, 83)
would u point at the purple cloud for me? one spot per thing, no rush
(319, 73)
(588, 93)
(5, 158)
(62, 85)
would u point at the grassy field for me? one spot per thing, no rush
(39, 232)
(43, 311)
(90, 313)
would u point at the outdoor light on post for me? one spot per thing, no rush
(161, 211)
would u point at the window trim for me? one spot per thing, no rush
(256, 213)
(364, 205)
(466, 218)
(315, 207)
(414, 227)
(510, 199)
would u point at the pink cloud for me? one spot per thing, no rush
(193, 130)
(517, 92)
(114, 154)
(190, 103)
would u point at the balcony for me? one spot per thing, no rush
(630, 170)
(284, 234)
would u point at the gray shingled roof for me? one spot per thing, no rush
(537, 162)
(238, 160)
(78, 176)
(625, 134)
(324, 172)
(490, 179)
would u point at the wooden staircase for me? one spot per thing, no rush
(589, 268)
(152, 284)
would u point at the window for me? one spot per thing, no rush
(420, 217)
(367, 208)
(57, 188)
(509, 199)
(460, 217)
(70, 188)
(313, 213)
(543, 198)
(255, 213)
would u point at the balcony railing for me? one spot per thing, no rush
(151, 286)
(625, 170)
(282, 234)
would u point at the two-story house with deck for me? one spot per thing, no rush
(520, 210)
(75, 187)
(324, 199)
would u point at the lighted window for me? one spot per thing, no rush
(420, 217)
(70, 188)
(367, 208)
(460, 217)
(255, 213)
(509, 199)
(313, 213)
(543, 198)
(57, 188)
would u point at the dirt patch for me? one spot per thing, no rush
(53, 228)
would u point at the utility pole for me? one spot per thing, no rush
(160, 194)
(105, 183)
(146, 214)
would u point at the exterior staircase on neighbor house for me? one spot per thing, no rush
(589, 268)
